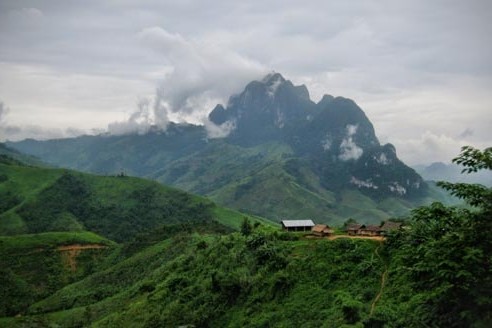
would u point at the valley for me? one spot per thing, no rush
(285, 157)
(157, 256)
(245, 164)
(91, 235)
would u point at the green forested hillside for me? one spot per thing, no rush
(271, 279)
(58, 226)
(6, 151)
(37, 200)
(267, 179)
(35, 266)
(436, 272)
(232, 281)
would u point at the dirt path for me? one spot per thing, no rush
(384, 276)
(70, 253)
(80, 246)
(378, 238)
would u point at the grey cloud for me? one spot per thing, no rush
(423, 61)
(3, 128)
(3, 112)
(200, 73)
(15, 132)
(199, 76)
(141, 120)
(467, 133)
(32, 131)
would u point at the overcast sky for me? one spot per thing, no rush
(420, 69)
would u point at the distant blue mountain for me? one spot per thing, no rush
(439, 171)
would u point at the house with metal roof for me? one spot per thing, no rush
(297, 225)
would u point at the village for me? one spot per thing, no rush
(350, 230)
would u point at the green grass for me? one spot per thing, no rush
(25, 183)
(118, 208)
(17, 156)
(20, 243)
(232, 218)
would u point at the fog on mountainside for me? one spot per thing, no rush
(279, 155)
(450, 172)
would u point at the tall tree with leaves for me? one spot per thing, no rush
(444, 262)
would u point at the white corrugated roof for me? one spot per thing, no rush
(298, 223)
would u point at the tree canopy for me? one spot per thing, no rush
(444, 260)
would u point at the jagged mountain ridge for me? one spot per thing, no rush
(285, 156)
(332, 131)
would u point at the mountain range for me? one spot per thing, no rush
(279, 155)
(439, 171)
(80, 250)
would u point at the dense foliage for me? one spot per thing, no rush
(43, 210)
(263, 279)
(32, 267)
(35, 200)
(440, 270)
(434, 273)
(72, 201)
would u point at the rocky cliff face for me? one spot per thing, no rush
(335, 136)
(284, 155)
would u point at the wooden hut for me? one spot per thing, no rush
(370, 230)
(354, 228)
(321, 230)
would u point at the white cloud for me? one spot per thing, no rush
(430, 147)
(348, 148)
(326, 142)
(139, 121)
(219, 131)
(382, 159)
(199, 69)
(412, 66)
(272, 89)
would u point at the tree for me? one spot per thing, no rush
(473, 160)
(446, 255)
(246, 227)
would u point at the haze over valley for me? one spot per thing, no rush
(245, 164)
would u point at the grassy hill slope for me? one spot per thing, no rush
(59, 226)
(35, 266)
(6, 151)
(266, 179)
(264, 279)
(118, 207)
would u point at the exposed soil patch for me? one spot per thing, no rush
(383, 282)
(70, 253)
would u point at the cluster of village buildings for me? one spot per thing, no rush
(354, 229)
